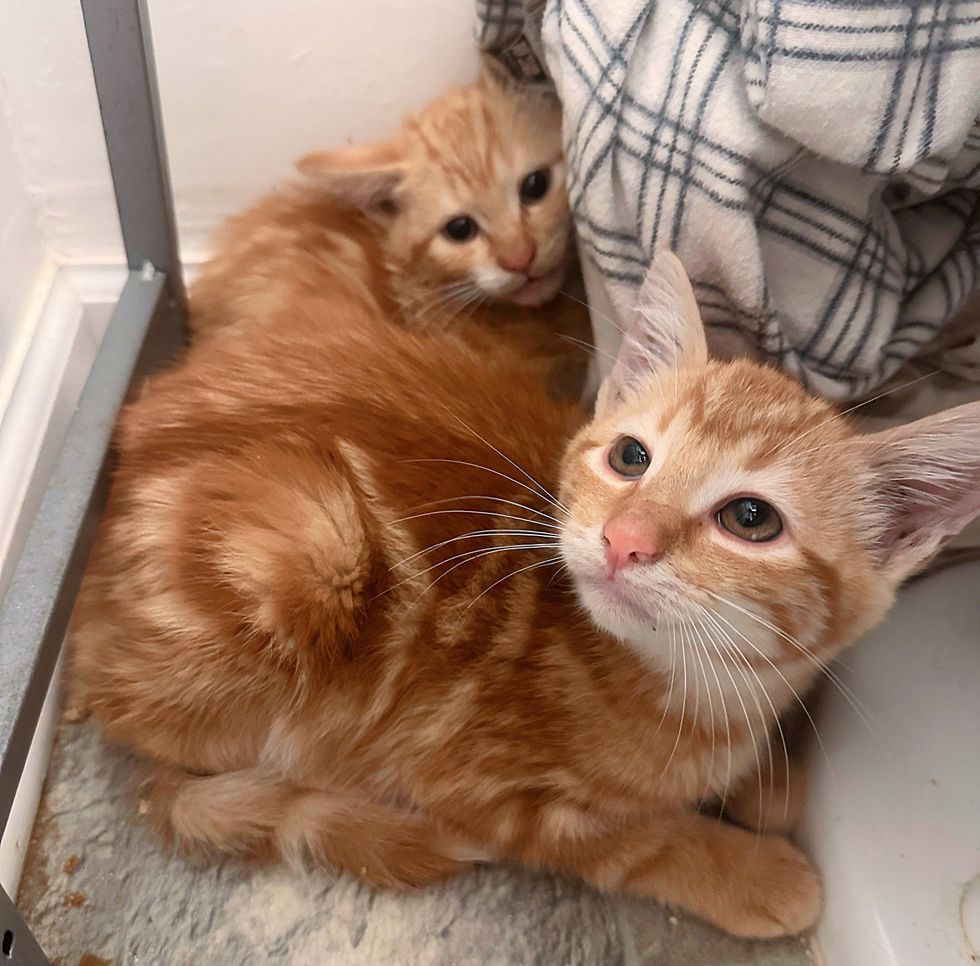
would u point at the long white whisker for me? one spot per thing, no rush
(431, 299)
(689, 636)
(782, 676)
(456, 307)
(520, 469)
(497, 499)
(469, 555)
(472, 535)
(724, 714)
(479, 513)
(488, 469)
(780, 447)
(713, 616)
(588, 346)
(673, 670)
(698, 641)
(680, 724)
(745, 713)
(513, 573)
(440, 291)
(477, 556)
(592, 311)
(818, 665)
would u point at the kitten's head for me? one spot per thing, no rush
(716, 506)
(471, 195)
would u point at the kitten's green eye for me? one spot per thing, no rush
(535, 186)
(750, 519)
(460, 229)
(628, 457)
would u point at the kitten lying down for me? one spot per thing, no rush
(369, 598)
(461, 219)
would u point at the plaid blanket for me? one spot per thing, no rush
(814, 163)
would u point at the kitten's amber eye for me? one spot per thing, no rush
(535, 186)
(460, 229)
(750, 519)
(628, 457)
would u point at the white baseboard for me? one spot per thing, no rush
(96, 283)
(101, 282)
(33, 423)
(64, 329)
(16, 837)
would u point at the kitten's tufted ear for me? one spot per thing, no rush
(665, 331)
(537, 93)
(364, 175)
(927, 482)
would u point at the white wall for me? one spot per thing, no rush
(246, 85)
(22, 259)
(49, 97)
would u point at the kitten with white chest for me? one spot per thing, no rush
(406, 613)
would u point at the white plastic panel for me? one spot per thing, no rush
(894, 815)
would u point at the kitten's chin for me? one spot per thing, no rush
(537, 291)
(615, 609)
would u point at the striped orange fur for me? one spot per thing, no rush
(353, 601)
(364, 227)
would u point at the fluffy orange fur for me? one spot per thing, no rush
(366, 228)
(353, 601)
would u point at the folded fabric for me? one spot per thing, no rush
(815, 164)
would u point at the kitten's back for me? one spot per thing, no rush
(294, 243)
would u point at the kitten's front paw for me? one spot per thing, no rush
(781, 894)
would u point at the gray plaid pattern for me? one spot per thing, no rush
(815, 163)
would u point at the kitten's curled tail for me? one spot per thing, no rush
(256, 814)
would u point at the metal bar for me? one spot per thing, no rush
(121, 49)
(39, 600)
(148, 324)
(18, 947)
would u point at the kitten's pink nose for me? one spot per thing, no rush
(630, 540)
(517, 258)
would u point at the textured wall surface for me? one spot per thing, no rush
(49, 97)
(22, 255)
(246, 85)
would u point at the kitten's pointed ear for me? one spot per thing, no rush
(927, 481)
(665, 331)
(364, 175)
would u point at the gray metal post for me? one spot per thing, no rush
(147, 328)
(121, 48)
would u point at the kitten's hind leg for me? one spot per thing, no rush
(256, 814)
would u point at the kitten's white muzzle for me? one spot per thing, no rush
(519, 288)
(631, 603)
(538, 290)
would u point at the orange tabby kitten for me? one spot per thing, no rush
(327, 604)
(466, 206)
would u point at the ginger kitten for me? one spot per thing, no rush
(463, 211)
(406, 613)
